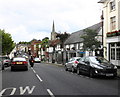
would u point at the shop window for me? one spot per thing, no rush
(113, 53)
(118, 44)
(118, 53)
(112, 44)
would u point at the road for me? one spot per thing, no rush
(53, 80)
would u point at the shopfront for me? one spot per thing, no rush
(113, 50)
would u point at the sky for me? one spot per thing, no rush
(33, 19)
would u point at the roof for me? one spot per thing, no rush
(54, 42)
(102, 1)
(75, 36)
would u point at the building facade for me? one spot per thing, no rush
(74, 45)
(111, 29)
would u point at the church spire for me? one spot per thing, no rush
(53, 33)
(53, 28)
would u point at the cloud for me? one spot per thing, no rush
(31, 17)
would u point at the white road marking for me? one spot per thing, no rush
(12, 92)
(34, 71)
(39, 77)
(27, 88)
(50, 93)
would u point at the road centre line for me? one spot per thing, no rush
(34, 71)
(50, 93)
(39, 77)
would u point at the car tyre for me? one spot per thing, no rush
(91, 73)
(12, 69)
(3, 67)
(26, 69)
(78, 71)
(73, 70)
(66, 69)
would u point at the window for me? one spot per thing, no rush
(113, 53)
(113, 23)
(118, 53)
(112, 5)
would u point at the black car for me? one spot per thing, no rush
(93, 66)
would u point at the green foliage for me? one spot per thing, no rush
(45, 43)
(63, 37)
(6, 42)
(89, 40)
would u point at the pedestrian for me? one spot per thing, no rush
(31, 60)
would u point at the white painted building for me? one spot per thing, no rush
(111, 29)
(74, 45)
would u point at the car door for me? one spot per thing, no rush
(86, 64)
(81, 64)
(68, 64)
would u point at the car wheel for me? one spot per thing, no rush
(26, 68)
(91, 73)
(12, 69)
(66, 69)
(78, 71)
(73, 70)
(3, 68)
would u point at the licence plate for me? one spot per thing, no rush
(19, 62)
(109, 74)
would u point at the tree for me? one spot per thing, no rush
(45, 43)
(6, 42)
(62, 37)
(89, 40)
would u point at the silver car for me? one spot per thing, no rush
(72, 64)
(5, 61)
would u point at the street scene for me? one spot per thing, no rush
(52, 80)
(60, 48)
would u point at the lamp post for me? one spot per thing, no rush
(102, 18)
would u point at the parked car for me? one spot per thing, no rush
(93, 66)
(37, 60)
(72, 64)
(5, 60)
(19, 63)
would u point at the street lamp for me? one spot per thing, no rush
(102, 18)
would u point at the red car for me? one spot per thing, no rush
(19, 63)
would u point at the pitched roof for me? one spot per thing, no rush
(75, 36)
(102, 1)
(54, 42)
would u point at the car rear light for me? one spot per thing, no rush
(25, 62)
(76, 62)
(13, 63)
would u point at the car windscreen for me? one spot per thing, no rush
(99, 60)
(19, 59)
(78, 59)
(36, 59)
(3, 58)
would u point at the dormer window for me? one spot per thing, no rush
(112, 5)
